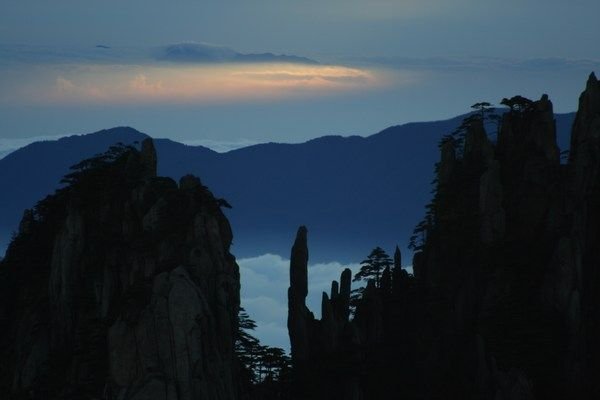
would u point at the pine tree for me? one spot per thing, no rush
(373, 266)
(259, 363)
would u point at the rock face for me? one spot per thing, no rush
(504, 285)
(576, 278)
(328, 355)
(300, 318)
(121, 286)
(505, 299)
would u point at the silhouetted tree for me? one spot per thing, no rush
(258, 362)
(419, 236)
(487, 114)
(483, 109)
(247, 347)
(96, 163)
(517, 104)
(373, 266)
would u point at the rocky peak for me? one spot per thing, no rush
(127, 293)
(447, 161)
(299, 317)
(543, 129)
(586, 127)
(148, 158)
(189, 182)
(477, 145)
(345, 289)
(504, 302)
(27, 221)
(397, 258)
(299, 264)
(529, 133)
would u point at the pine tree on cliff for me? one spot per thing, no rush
(258, 362)
(517, 104)
(373, 266)
(247, 347)
(482, 108)
(487, 114)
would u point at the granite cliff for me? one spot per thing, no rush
(120, 286)
(503, 303)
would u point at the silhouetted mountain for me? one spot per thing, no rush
(354, 192)
(504, 301)
(120, 285)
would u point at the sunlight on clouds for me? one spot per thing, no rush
(224, 83)
(140, 85)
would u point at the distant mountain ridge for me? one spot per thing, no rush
(352, 192)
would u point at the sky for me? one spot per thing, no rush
(231, 73)
(381, 63)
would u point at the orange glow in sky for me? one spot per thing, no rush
(223, 83)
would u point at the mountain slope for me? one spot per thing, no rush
(340, 187)
(121, 286)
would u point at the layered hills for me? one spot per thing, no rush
(354, 192)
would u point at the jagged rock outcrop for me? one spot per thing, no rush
(121, 286)
(493, 217)
(511, 276)
(447, 162)
(148, 158)
(477, 146)
(330, 356)
(300, 318)
(314, 341)
(576, 278)
(504, 303)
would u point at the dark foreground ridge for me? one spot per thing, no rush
(120, 286)
(504, 302)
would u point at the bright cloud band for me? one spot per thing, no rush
(222, 83)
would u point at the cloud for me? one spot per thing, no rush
(193, 52)
(265, 280)
(141, 84)
(273, 334)
(188, 52)
(184, 73)
(181, 83)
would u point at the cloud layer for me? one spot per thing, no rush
(265, 280)
(189, 73)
